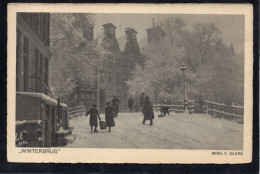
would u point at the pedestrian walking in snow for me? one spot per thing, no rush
(148, 111)
(109, 116)
(142, 101)
(93, 122)
(130, 104)
(115, 105)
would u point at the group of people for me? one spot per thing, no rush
(111, 112)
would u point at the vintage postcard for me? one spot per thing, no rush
(130, 83)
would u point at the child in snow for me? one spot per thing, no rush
(93, 118)
(109, 115)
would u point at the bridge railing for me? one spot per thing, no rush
(178, 107)
(230, 112)
(76, 111)
(217, 110)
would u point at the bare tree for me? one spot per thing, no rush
(173, 26)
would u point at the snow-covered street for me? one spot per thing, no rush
(177, 131)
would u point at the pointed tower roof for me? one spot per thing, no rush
(130, 30)
(109, 25)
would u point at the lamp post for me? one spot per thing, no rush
(183, 69)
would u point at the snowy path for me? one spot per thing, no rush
(177, 131)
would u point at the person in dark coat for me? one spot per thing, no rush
(130, 104)
(115, 105)
(148, 111)
(109, 116)
(93, 118)
(142, 101)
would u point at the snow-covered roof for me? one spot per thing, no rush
(18, 122)
(42, 96)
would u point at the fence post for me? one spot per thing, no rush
(222, 112)
(232, 116)
(214, 110)
(207, 107)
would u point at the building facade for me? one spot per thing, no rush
(39, 117)
(32, 52)
(110, 72)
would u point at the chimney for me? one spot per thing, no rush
(109, 31)
(131, 44)
(110, 35)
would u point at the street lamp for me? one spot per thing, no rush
(183, 69)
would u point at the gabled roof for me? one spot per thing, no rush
(156, 29)
(109, 25)
(130, 30)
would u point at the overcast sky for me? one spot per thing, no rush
(231, 26)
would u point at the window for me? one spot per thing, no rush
(125, 63)
(88, 96)
(25, 64)
(131, 64)
(125, 76)
(82, 96)
(118, 62)
(109, 95)
(37, 27)
(47, 28)
(110, 62)
(118, 78)
(41, 72)
(46, 76)
(18, 61)
(44, 28)
(93, 84)
(118, 94)
(110, 77)
(102, 76)
(93, 98)
(36, 71)
(41, 25)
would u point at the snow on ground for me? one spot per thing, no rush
(177, 131)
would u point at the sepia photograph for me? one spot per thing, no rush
(131, 81)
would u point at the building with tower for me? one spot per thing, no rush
(155, 35)
(110, 73)
(131, 56)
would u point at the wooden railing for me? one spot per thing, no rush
(178, 107)
(76, 111)
(230, 112)
(217, 110)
